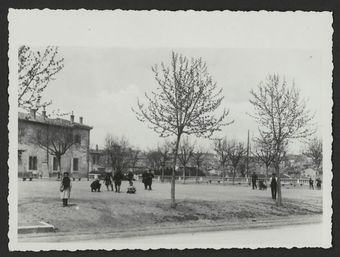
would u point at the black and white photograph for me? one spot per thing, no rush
(160, 129)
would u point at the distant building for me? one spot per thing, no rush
(34, 160)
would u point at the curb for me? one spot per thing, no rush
(44, 228)
(62, 237)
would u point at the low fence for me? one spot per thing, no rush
(236, 181)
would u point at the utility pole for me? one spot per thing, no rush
(248, 155)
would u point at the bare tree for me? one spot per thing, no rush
(56, 137)
(235, 152)
(220, 147)
(165, 151)
(199, 157)
(186, 150)
(118, 151)
(185, 103)
(36, 69)
(264, 152)
(314, 151)
(281, 115)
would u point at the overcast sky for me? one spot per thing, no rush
(109, 54)
(102, 84)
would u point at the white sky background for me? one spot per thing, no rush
(108, 59)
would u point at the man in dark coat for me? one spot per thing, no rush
(253, 180)
(144, 180)
(273, 186)
(118, 177)
(95, 186)
(148, 181)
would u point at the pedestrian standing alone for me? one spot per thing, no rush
(108, 182)
(253, 180)
(273, 186)
(144, 180)
(65, 189)
(149, 178)
(118, 177)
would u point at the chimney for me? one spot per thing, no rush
(72, 117)
(81, 120)
(96, 147)
(33, 113)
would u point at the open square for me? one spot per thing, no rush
(200, 207)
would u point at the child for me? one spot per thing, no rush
(65, 189)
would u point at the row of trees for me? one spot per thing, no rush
(187, 102)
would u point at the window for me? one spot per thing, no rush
(55, 163)
(94, 159)
(75, 164)
(77, 139)
(32, 165)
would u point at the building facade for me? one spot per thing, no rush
(35, 156)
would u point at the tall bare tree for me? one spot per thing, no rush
(314, 151)
(186, 150)
(118, 151)
(36, 69)
(281, 115)
(221, 147)
(185, 103)
(235, 152)
(198, 158)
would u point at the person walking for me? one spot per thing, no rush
(144, 180)
(108, 182)
(149, 178)
(118, 177)
(253, 180)
(65, 189)
(273, 186)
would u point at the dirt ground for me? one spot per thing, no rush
(109, 212)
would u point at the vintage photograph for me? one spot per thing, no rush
(139, 130)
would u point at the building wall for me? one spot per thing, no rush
(27, 132)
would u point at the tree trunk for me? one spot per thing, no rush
(162, 176)
(234, 176)
(59, 165)
(279, 195)
(184, 175)
(173, 177)
(198, 167)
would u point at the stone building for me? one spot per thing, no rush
(35, 156)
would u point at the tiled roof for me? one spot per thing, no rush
(57, 122)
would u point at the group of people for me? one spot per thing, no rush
(311, 183)
(66, 185)
(262, 185)
(117, 178)
(147, 179)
